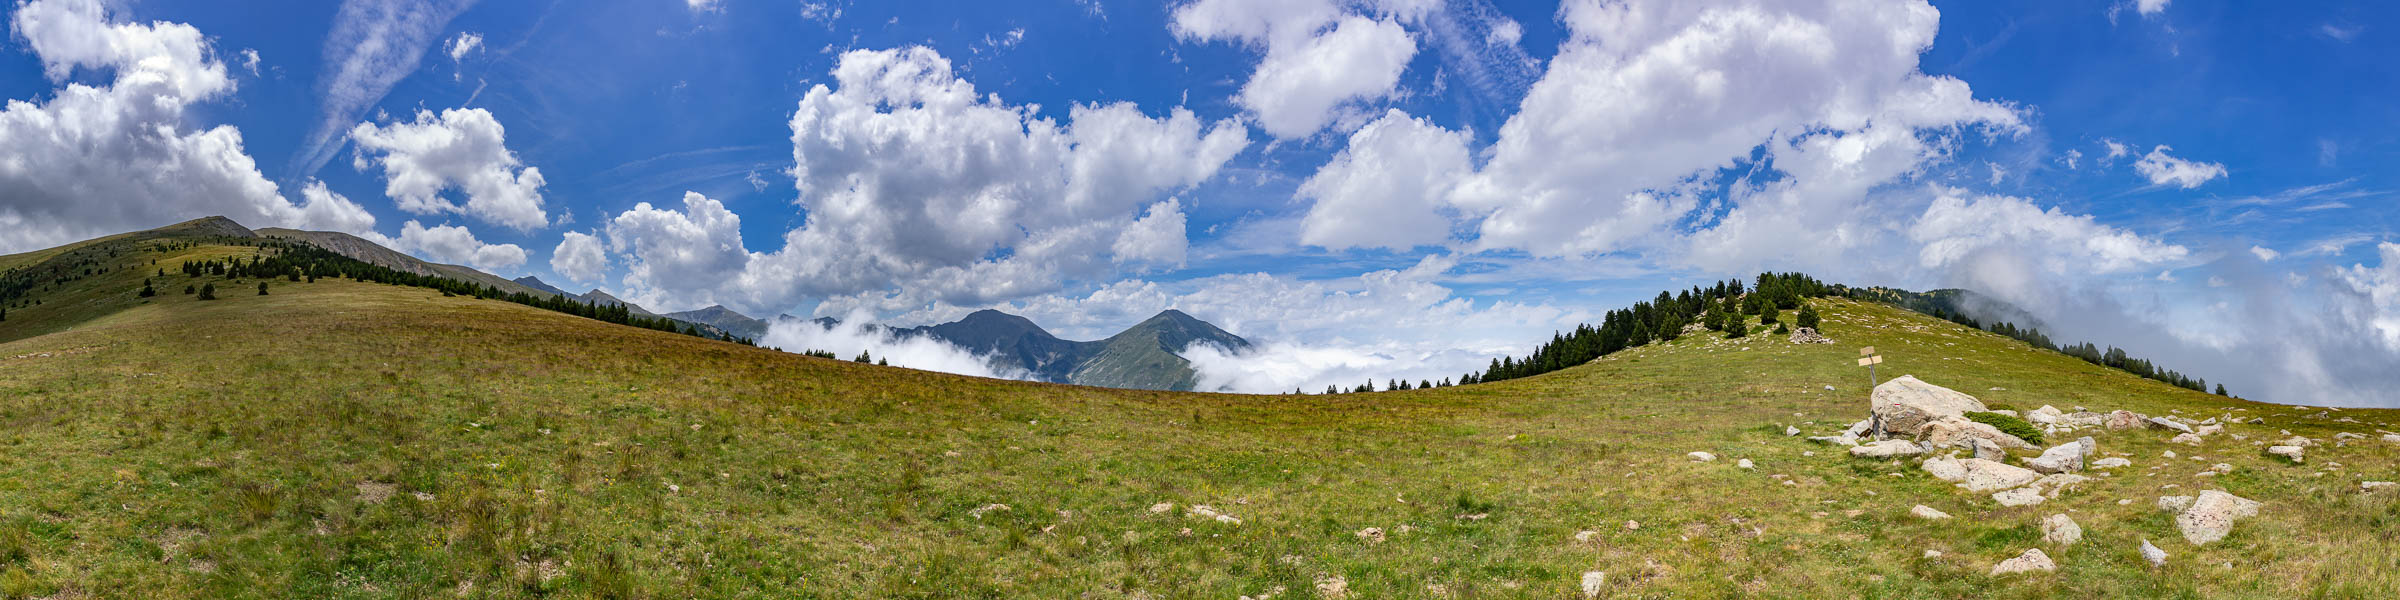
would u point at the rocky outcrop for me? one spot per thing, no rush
(1808, 335)
(1927, 513)
(1907, 404)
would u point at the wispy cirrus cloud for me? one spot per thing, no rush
(373, 45)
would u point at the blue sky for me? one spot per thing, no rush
(1373, 187)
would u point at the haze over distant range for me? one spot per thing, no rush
(1362, 188)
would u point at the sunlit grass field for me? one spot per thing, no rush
(347, 440)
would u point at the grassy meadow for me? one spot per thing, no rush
(348, 440)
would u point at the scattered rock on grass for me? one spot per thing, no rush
(2212, 515)
(2032, 560)
(1372, 535)
(1789, 431)
(1593, 582)
(2111, 463)
(1988, 476)
(370, 492)
(2061, 529)
(2062, 458)
(1927, 513)
(1944, 468)
(2295, 453)
(1701, 456)
(2150, 552)
(1745, 464)
(2186, 439)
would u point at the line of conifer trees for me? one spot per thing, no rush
(1724, 306)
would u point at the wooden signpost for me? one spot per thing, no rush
(1868, 358)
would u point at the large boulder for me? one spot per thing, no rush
(1991, 476)
(1908, 404)
(1958, 432)
(2212, 515)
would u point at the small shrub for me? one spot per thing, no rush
(2008, 425)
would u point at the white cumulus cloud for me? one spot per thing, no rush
(95, 160)
(454, 244)
(912, 181)
(582, 257)
(2162, 169)
(460, 149)
(1388, 188)
(1320, 58)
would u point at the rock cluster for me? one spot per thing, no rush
(1808, 335)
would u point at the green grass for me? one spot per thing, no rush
(2009, 425)
(179, 448)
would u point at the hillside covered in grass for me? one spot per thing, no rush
(340, 439)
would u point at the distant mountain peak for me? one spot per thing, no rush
(537, 283)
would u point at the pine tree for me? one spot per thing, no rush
(1769, 315)
(147, 291)
(262, 288)
(187, 290)
(3, 313)
(208, 291)
(2220, 387)
(1331, 390)
(883, 362)
(1781, 330)
(1808, 316)
(863, 358)
(1736, 328)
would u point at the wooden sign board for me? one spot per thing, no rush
(1867, 351)
(1871, 360)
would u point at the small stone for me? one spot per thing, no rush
(1745, 464)
(1586, 535)
(2369, 486)
(2295, 453)
(978, 511)
(2032, 560)
(1633, 525)
(2189, 439)
(1927, 513)
(2150, 552)
(2061, 530)
(1161, 507)
(1372, 535)
(2111, 463)
(1593, 581)
(1701, 456)
(1933, 554)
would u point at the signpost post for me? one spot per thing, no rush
(1868, 358)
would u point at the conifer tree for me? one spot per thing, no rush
(262, 288)
(1769, 315)
(208, 291)
(2221, 390)
(187, 290)
(1808, 316)
(1736, 327)
(147, 291)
